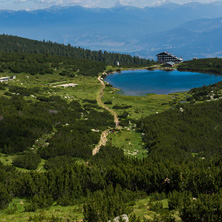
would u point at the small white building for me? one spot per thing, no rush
(4, 79)
(7, 78)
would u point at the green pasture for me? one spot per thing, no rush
(152, 209)
(16, 212)
(128, 140)
(86, 89)
(8, 160)
(146, 207)
(142, 105)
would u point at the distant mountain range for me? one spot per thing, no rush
(190, 30)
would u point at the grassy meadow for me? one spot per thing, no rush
(15, 212)
(150, 207)
(141, 106)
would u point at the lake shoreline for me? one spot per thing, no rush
(158, 81)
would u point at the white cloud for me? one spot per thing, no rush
(144, 3)
(85, 3)
(20, 1)
(110, 3)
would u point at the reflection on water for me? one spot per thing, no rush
(141, 82)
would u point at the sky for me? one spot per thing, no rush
(40, 4)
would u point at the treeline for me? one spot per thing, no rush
(22, 45)
(212, 65)
(47, 64)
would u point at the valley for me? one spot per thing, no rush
(73, 149)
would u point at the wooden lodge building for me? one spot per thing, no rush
(164, 57)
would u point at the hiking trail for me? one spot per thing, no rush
(103, 138)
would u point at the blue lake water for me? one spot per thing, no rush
(142, 82)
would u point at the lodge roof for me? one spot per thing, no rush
(169, 54)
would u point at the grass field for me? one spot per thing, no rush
(142, 105)
(15, 212)
(86, 89)
(147, 207)
(8, 160)
(130, 141)
(152, 209)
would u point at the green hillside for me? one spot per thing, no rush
(211, 65)
(161, 163)
(23, 45)
(47, 64)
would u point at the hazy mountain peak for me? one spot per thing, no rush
(118, 4)
(171, 5)
(160, 3)
(193, 4)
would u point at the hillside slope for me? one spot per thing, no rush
(22, 45)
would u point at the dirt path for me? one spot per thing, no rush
(103, 138)
(102, 142)
(99, 101)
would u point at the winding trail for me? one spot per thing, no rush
(99, 101)
(102, 142)
(103, 138)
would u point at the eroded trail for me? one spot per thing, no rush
(99, 101)
(103, 138)
(102, 142)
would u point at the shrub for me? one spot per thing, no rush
(28, 161)
(157, 206)
(108, 102)
(5, 198)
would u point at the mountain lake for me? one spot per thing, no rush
(142, 82)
